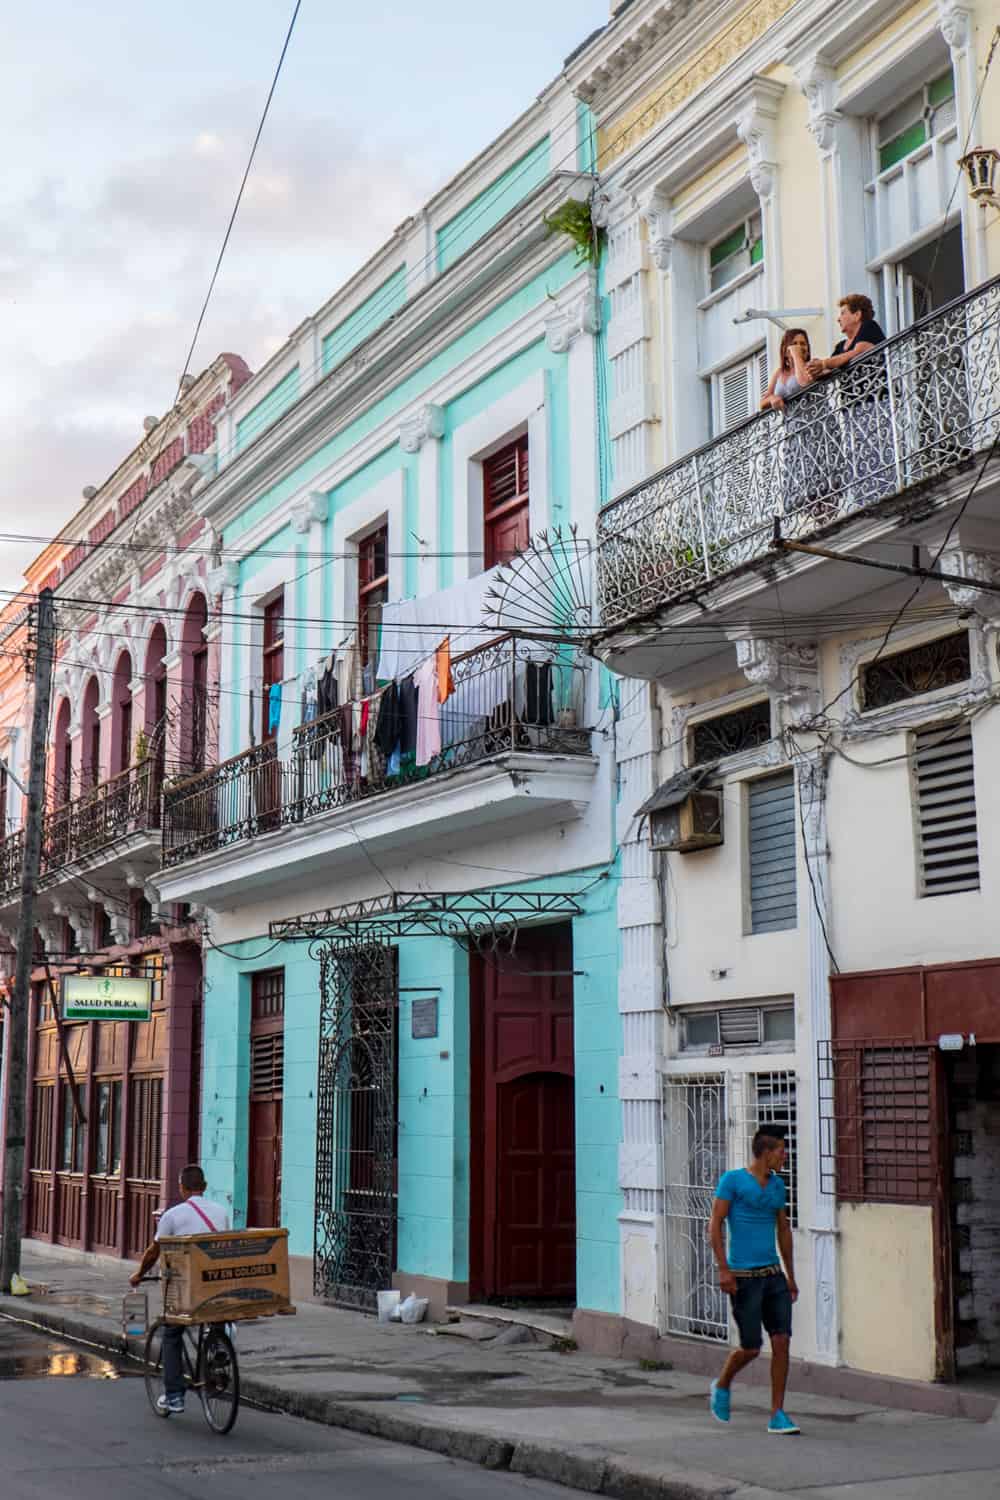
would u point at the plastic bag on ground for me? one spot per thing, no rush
(412, 1310)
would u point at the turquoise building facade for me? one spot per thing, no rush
(441, 405)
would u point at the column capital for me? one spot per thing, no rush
(223, 578)
(657, 213)
(979, 568)
(788, 669)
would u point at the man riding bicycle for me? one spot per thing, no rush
(193, 1215)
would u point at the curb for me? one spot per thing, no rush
(611, 1474)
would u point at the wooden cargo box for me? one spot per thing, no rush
(220, 1278)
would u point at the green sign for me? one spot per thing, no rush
(104, 997)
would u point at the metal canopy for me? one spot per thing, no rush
(484, 917)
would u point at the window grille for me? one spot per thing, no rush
(947, 829)
(267, 994)
(771, 853)
(877, 1144)
(709, 1122)
(922, 669)
(730, 733)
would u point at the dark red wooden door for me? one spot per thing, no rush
(536, 1182)
(523, 1200)
(266, 1091)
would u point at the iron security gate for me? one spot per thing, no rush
(709, 1122)
(356, 1122)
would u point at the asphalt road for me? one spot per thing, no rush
(78, 1427)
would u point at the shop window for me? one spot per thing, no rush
(771, 853)
(71, 1145)
(742, 249)
(108, 1128)
(506, 503)
(908, 126)
(41, 1127)
(944, 786)
(373, 594)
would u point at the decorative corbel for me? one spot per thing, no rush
(416, 430)
(955, 24)
(658, 216)
(817, 80)
(789, 670)
(979, 568)
(755, 128)
(121, 927)
(580, 314)
(225, 576)
(312, 507)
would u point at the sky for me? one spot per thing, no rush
(127, 127)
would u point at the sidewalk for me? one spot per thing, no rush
(600, 1425)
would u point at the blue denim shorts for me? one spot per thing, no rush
(762, 1302)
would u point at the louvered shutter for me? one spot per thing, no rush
(772, 853)
(267, 1065)
(946, 810)
(734, 393)
(760, 365)
(740, 1026)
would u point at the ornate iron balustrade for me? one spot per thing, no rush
(509, 695)
(909, 411)
(126, 804)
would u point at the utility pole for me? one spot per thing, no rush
(17, 1044)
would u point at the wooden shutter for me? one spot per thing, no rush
(947, 832)
(506, 513)
(267, 1065)
(772, 853)
(734, 396)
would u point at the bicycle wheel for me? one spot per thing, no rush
(219, 1381)
(153, 1361)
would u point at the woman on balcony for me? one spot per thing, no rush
(861, 456)
(803, 479)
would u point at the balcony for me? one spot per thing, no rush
(513, 746)
(911, 413)
(111, 819)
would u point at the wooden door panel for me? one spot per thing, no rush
(517, 1042)
(263, 1197)
(536, 1223)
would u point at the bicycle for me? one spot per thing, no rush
(209, 1366)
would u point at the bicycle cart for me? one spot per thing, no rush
(210, 1281)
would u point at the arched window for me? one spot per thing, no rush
(90, 742)
(121, 715)
(194, 684)
(155, 727)
(62, 757)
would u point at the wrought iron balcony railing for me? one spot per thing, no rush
(909, 411)
(126, 804)
(508, 696)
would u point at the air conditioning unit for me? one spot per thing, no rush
(685, 815)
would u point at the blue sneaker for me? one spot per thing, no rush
(719, 1402)
(783, 1426)
(170, 1406)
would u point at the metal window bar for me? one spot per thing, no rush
(876, 1135)
(509, 696)
(709, 1121)
(911, 410)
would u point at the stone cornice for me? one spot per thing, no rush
(510, 255)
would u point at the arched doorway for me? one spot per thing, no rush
(90, 738)
(194, 685)
(121, 715)
(61, 787)
(155, 717)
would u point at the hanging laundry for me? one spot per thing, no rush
(389, 727)
(327, 688)
(425, 680)
(273, 708)
(376, 759)
(408, 716)
(538, 693)
(445, 683)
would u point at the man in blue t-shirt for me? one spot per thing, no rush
(751, 1202)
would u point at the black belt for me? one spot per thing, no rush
(774, 1270)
